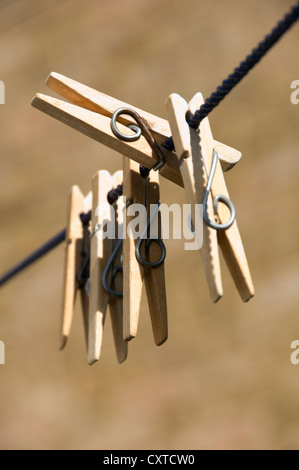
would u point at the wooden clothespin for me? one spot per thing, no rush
(76, 252)
(134, 189)
(91, 114)
(116, 302)
(154, 278)
(100, 253)
(195, 151)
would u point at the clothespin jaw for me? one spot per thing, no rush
(195, 151)
(91, 114)
(73, 261)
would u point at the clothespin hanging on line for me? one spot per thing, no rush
(116, 276)
(150, 265)
(100, 253)
(91, 114)
(76, 255)
(195, 150)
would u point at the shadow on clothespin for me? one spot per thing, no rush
(202, 174)
(76, 256)
(116, 275)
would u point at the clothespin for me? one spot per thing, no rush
(139, 191)
(116, 302)
(195, 150)
(76, 254)
(91, 114)
(133, 190)
(154, 277)
(100, 253)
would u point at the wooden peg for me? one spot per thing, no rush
(73, 248)
(93, 100)
(100, 252)
(133, 190)
(154, 279)
(116, 303)
(230, 240)
(73, 261)
(98, 127)
(91, 115)
(194, 175)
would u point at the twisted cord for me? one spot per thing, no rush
(241, 71)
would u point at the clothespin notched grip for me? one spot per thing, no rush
(194, 175)
(230, 240)
(204, 183)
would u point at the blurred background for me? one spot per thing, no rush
(224, 379)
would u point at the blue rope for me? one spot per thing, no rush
(193, 120)
(43, 250)
(114, 194)
(240, 72)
